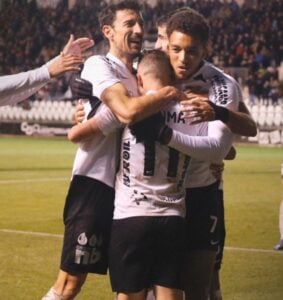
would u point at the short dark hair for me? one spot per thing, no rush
(190, 22)
(108, 15)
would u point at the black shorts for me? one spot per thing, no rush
(88, 217)
(202, 218)
(146, 251)
(221, 230)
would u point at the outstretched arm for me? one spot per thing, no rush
(17, 87)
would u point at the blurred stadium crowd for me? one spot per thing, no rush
(246, 39)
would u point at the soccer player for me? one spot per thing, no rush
(17, 87)
(87, 213)
(245, 127)
(188, 35)
(149, 194)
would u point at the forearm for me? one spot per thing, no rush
(17, 87)
(84, 131)
(201, 147)
(241, 124)
(132, 109)
(103, 123)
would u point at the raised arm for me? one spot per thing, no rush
(17, 87)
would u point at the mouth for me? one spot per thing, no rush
(182, 68)
(135, 42)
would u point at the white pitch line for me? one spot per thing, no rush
(33, 180)
(61, 236)
(252, 250)
(32, 233)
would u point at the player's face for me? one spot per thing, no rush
(126, 33)
(186, 54)
(162, 40)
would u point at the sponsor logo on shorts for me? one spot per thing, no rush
(213, 243)
(88, 249)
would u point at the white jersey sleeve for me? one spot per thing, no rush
(99, 71)
(107, 121)
(212, 147)
(18, 87)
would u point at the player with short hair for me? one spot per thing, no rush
(188, 35)
(149, 193)
(88, 213)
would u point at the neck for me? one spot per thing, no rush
(126, 59)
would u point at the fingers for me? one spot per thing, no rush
(71, 60)
(79, 113)
(68, 45)
(84, 43)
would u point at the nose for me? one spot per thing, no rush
(138, 28)
(157, 44)
(184, 57)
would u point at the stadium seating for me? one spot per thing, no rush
(40, 111)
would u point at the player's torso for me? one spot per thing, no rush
(222, 90)
(151, 177)
(98, 157)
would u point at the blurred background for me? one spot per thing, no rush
(246, 42)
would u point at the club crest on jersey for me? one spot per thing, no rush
(88, 249)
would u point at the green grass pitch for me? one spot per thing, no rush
(34, 178)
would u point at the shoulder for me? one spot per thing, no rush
(216, 75)
(95, 59)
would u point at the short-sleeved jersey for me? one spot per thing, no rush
(150, 181)
(223, 90)
(98, 157)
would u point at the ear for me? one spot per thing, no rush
(107, 31)
(139, 80)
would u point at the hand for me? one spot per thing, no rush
(78, 46)
(152, 128)
(79, 114)
(217, 170)
(80, 88)
(64, 63)
(196, 108)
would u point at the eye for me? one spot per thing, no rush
(192, 51)
(175, 49)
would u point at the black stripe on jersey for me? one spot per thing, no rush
(149, 158)
(173, 163)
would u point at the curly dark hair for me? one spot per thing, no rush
(190, 22)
